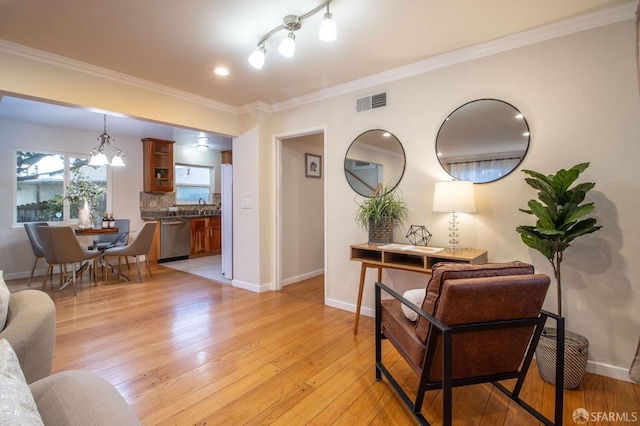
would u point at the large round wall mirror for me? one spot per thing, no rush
(374, 157)
(482, 141)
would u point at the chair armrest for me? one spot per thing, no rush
(436, 322)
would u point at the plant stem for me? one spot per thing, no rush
(555, 263)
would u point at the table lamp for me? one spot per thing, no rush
(454, 197)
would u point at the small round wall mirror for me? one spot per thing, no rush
(482, 141)
(374, 157)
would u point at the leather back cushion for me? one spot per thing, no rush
(442, 272)
(476, 300)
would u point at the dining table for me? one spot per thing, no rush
(86, 237)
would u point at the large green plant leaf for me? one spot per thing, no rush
(561, 217)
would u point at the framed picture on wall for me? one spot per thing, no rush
(313, 166)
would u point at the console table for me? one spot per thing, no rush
(407, 258)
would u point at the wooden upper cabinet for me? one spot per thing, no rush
(158, 165)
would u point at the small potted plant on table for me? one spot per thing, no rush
(380, 213)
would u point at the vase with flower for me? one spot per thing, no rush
(83, 190)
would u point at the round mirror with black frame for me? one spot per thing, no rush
(375, 157)
(482, 141)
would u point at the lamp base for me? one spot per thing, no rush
(454, 249)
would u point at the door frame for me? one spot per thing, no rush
(277, 205)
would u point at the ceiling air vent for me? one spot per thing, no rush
(371, 102)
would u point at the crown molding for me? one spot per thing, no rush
(82, 67)
(601, 18)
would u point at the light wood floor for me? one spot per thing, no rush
(185, 350)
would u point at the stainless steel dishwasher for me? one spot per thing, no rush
(175, 239)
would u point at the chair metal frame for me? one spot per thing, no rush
(446, 332)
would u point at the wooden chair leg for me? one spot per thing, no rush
(146, 259)
(138, 266)
(46, 276)
(33, 269)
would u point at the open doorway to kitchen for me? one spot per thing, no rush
(300, 207)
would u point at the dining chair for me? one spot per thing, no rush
(36, 246)
(121, 238)
(61, 247)
(140, 246)
(476, 324)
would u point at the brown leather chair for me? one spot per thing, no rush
(477, 324)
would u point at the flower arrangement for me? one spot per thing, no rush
(83, 189)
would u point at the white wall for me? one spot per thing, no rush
(302, 211)
(15, 253)
(579, 94)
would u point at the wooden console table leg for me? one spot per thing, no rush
(363, 272)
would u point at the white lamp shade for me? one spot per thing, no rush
(99, 160)
(257, 58)
(117, 161)
(328, 30)
(454, 196)
(287, 46)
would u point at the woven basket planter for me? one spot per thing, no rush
(381, 232)
(576, 351)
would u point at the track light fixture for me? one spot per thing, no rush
(293, 23)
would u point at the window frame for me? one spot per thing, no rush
(67, 155)
(210, 186)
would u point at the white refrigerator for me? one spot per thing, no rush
(226, 199)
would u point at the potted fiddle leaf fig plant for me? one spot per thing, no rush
(561, 217)
(381, 212)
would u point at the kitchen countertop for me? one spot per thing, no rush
(166, 215)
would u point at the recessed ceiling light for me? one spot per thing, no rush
(221, 71)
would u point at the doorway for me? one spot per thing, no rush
(299, 252)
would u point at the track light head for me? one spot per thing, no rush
(257, 57)
(287, 46)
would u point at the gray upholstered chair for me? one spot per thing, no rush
(31, 331)
(61, 247)
(140, 246)
(36, 247)
(477, 324)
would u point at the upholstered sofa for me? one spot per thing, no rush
(29, 395)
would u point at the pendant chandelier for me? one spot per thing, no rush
(105, 149)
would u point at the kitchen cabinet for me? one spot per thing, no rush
(158, 165)
(227, 157)
(206, 236)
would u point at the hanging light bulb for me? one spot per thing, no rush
(328, 30)
(257, 57)
(287, 46)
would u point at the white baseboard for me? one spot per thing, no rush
(302, 277)
(612, 371)
(256, 288)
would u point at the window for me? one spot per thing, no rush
(193, 183)
(51, 187)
